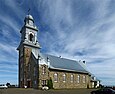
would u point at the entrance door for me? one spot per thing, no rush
(28, 84)
(44, 82)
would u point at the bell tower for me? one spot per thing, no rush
(28, 45)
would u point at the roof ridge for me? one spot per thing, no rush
(60, 57)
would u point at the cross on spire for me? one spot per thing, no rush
(28, 11)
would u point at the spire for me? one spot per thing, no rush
(29, 19)
(29, 32)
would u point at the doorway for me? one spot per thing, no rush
(28, 84)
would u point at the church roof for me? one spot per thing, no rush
(59, 63)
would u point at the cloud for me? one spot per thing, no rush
(75, 29)
(84, 31)
(11, 14)
(8, 53)
(13, 8)
(104, 70)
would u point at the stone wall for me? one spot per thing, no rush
(68, 83)
(43, 75)
(24, 58)
(60, 84)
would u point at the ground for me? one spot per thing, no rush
(33, 91)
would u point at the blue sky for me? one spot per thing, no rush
(75, 29)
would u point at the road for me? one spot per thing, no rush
(33, 91)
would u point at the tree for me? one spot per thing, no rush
(50, 84)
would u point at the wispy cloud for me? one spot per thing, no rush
(75, 29)
(82, 29)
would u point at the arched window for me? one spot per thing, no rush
(43, 70)
(31, 37)
(71, 78)
(55, 77)
(64, 77)
(84, 79)
(78, 79)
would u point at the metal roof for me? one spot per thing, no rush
(65, 64)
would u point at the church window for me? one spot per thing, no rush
(55, 77)
(64, 77)
(78, 79)
(43, 70)
(84, 79)
(72, 78)
(44, 82)
(31, 37)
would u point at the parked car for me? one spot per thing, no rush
(45, 88)
(2, 86)
(104, 91)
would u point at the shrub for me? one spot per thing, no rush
(50, 84)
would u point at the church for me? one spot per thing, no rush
(37, 69)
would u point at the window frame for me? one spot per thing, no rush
(43, 70)
(31, 37)
(71, 78)
(64, 77)
(78, 79)
(84, 79)
(55, 77)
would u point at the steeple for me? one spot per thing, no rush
(27, 48)
(29, 32)
(29, 19)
